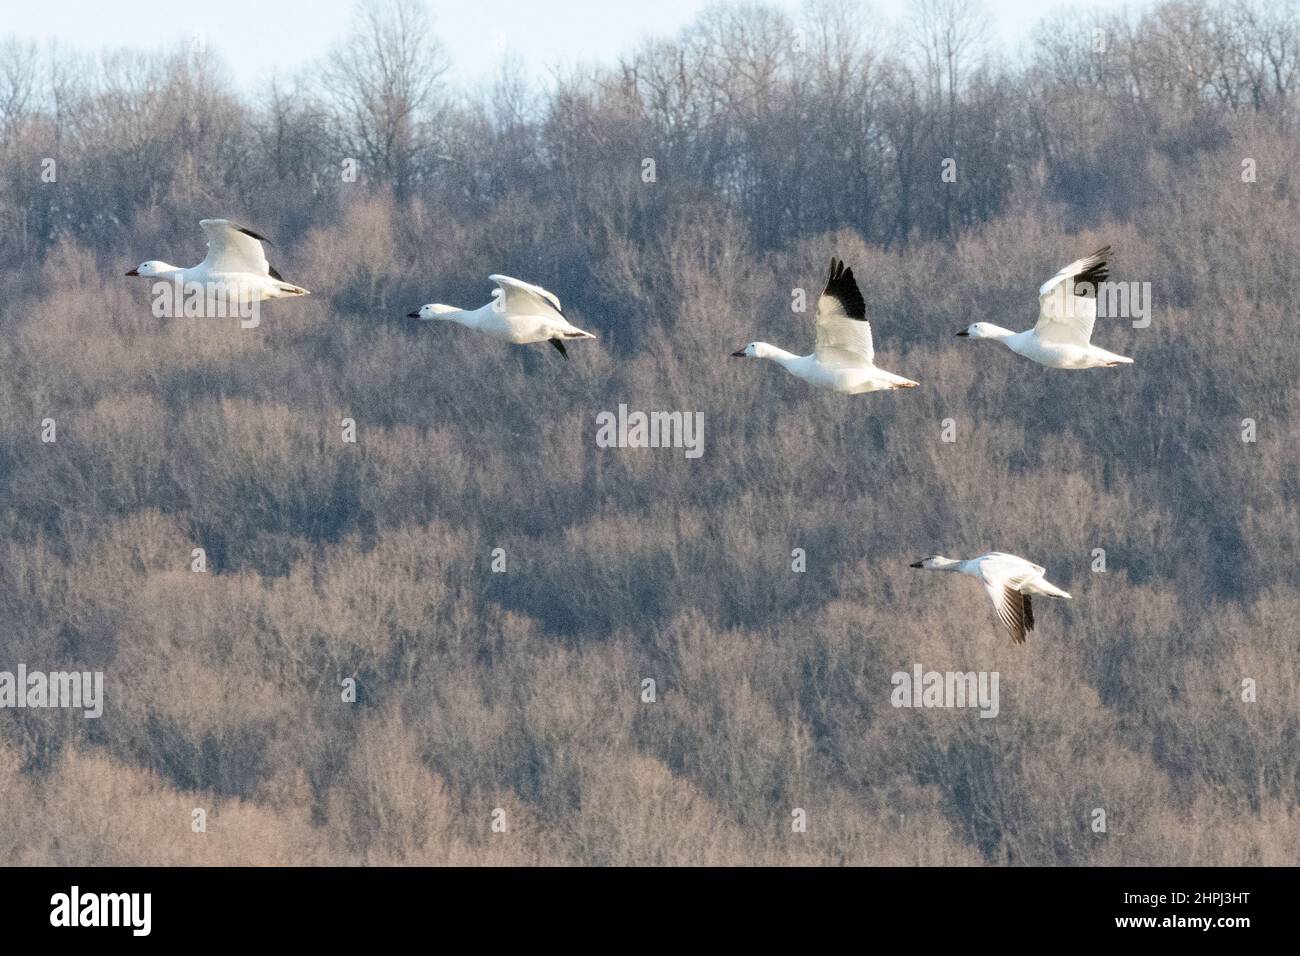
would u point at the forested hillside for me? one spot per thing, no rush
(675, 202)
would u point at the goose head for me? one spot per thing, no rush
(432, 311)
(153, 267)
(982, 330)
(936, 562)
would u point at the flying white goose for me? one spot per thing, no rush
(1067, 310)
(843, 358)
(234, 257)
(519, 313)
(1009, 580)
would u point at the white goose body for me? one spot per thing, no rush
(235, 261)
(843, 358)
(1009, 580)
(846, 379)
(1051, 354)
(1067, 311)
(519, 313)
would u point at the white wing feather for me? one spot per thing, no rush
(1063, 317)
(230, 250)
(842, 339)
(1003, 574)
(520, 296)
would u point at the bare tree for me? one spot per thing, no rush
(18, 72)
(949, 39)
(384, 81)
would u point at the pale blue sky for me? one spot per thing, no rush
(257, 37)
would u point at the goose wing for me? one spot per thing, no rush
(1015, 611)
(232, 248)
(843, 332)
(1011, 566)
(523, 297)
(1003, 574)
(1067, 302)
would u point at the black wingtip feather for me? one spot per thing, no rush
(258, 237)
(842, 286)
(559, 345)
(1096, 274)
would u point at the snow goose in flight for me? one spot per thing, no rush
(235, 257)
(518, 313)
(843, 358)
(1009, 580)
(1067, 309)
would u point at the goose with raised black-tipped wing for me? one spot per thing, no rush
(1009, 579)
(518, 313)
(844, 356)
(235, 260)
(1067, 310)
